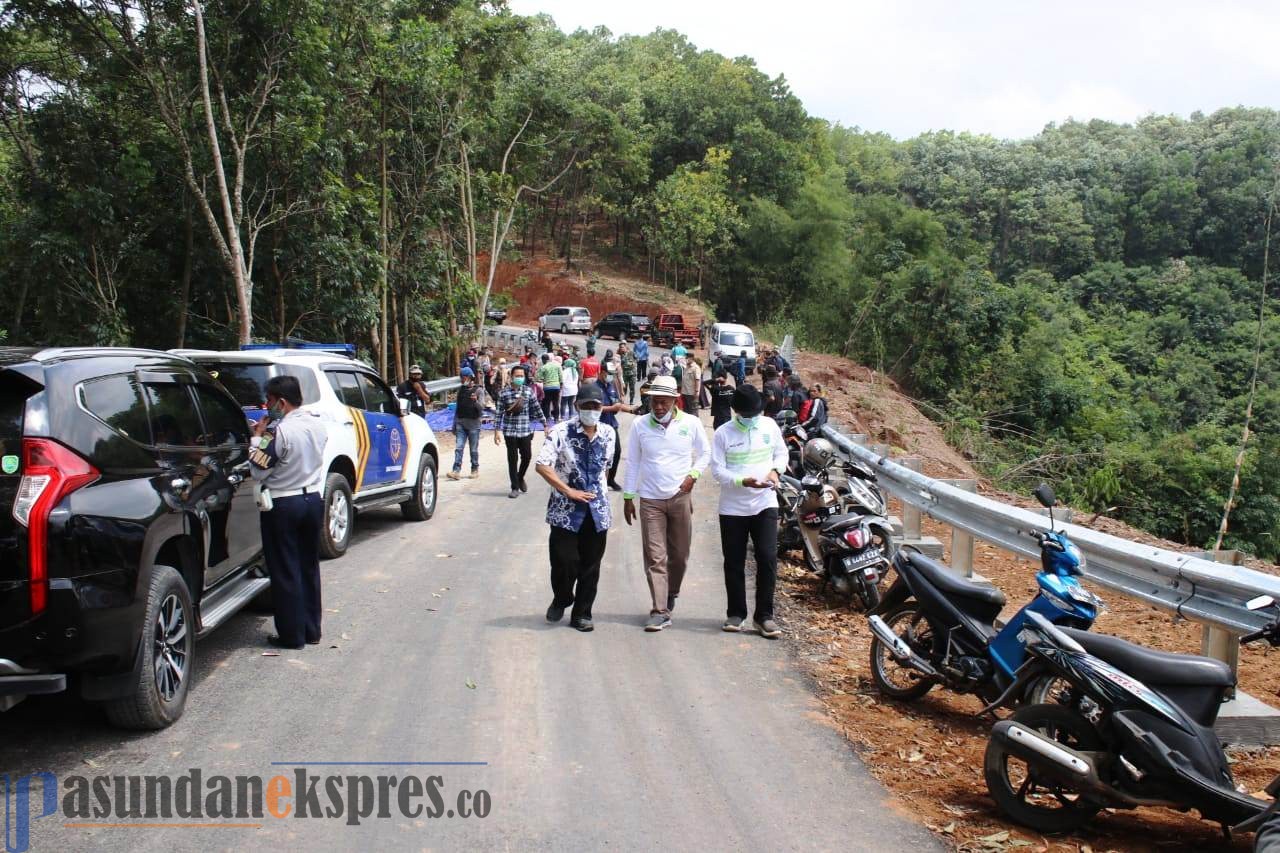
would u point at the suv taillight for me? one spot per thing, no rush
(50, 473)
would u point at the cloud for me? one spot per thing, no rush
(1003, 67)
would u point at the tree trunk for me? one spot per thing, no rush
(395, 331)
(240, 275)
(383, 226)
(184, 297)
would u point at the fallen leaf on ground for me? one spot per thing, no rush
(443, 556)
(346, 636)
(471, 685)
(271, 654)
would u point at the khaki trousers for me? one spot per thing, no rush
(666, 529)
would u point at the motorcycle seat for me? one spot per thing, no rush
(949, 582)
(1153, 667)
(841, 520)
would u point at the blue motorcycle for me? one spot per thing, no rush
(935, 627)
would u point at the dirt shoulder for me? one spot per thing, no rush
(930, 753)
(538, 283)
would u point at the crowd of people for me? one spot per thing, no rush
(573, 394)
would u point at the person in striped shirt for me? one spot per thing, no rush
(747, 455)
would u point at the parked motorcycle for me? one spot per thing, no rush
(936, 627)
(835, 515)
(1128, 727)
(795, 437)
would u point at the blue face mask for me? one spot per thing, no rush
(747, 422)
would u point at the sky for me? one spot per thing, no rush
(1003, 68)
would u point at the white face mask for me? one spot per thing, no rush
(747, 422)
(665, 419)
(589, 417)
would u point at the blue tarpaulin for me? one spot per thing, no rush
(441, 420)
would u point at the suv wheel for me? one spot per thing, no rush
(167, 654)
(564, 328)
(339, 517)
(422, 505)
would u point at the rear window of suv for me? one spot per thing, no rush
(13, 401)
(117, 402)
(581, 312)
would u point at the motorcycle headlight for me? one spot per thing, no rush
(1083, 596)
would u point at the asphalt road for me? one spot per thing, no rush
(436, 650)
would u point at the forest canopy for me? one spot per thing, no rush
(1081, 306)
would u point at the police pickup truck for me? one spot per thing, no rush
(377, 454)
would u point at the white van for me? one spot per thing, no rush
(727, 342)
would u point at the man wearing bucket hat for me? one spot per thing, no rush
(415, 392)
(747, 455)
(666, 453)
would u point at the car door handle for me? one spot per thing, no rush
(349, 423)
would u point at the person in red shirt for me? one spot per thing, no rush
(590, 366)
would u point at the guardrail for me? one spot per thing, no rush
(440, 386)
(1189, 586)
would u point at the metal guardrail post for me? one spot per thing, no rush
(910, 513)
(788, 348)
(961, 540)
(1216, 642)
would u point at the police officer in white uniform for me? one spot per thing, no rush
(287, 461)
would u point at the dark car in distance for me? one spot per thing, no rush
(495, 315)
(129, 525)
(623, 324)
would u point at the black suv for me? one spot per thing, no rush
(622, 323)
(128, 525)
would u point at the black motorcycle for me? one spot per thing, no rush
(1125, 726)
(794, 436)
(843, 543)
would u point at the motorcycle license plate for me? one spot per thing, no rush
(866, 558)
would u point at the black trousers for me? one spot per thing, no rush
(575, 566)
(762, 528)
(617, 457)
(291, 545)
(519, 454)
(551, 404)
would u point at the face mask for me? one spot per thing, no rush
(665, 419)
(517, 381)
(747, 422)
(589, 417)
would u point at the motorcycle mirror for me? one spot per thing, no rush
(1044, 494)
(1260, 602)
(811, 484)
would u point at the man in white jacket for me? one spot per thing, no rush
(666, 453)
(747, 455)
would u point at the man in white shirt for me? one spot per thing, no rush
(747, 454)
(666, 452)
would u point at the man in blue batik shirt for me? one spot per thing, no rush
(574, 459)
